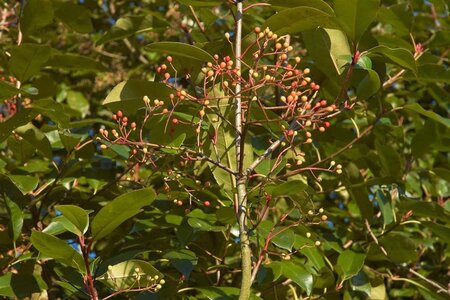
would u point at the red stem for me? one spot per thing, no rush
(88, 279)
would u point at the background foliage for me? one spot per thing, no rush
(64, 198)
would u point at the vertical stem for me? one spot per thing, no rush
(88, 279)
(241, 180)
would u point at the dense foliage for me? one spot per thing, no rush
(142, 156)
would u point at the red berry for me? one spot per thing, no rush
(119, 114)
(133, 125)
(175, 121)
(125, 119)
(206, 203)
(326, 124)
(323, 103)
(169, 58)
(114, 116)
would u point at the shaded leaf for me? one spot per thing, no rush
(28, 59)
(53, 247)
(76, 17)
(36, 15)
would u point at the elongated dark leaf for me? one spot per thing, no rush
(119, 210)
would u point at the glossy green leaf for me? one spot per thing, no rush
(36, 15)
(284, 239)
(128, 95)
(355, 16)
(349, 263)
(399, 56)
(75, 17)
(119, 210)
(299, 19)
(76, 215)
(25, 183)
(294, 271)
(127, 26)
(55, 248)
(289, 4)
(28, 59)
(184, 51)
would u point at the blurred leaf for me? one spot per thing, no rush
(36, 15)
(78, 102)
(76, 215)
(53, 247)
(425, 137)
(35, 137)
(391, 162)
(359, 193)
(415, 107)
(430, 73)
(355, 16)
(69, 61)
(76, 17)
(127, 26)
(119, 210)
(183, 260)
(400, 248)
(8, 90)
(299, 19)
(385, 207)
(441, 231)
(201, 3)
(27, 60)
